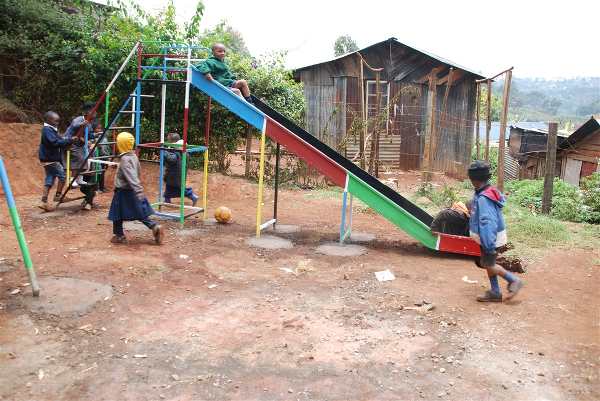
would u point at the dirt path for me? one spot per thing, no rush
(224, 322)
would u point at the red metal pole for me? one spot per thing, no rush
(139, 61)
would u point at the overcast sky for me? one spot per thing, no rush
(549, 39)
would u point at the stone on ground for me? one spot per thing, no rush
(65, 296)
(337, 249)
(269, 242)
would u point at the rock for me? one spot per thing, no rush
(175, 377)
(442, 370)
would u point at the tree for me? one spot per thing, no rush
(344, 44)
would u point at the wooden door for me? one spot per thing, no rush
(407, 120)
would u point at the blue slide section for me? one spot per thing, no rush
(229, 100)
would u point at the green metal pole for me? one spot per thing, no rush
(14, 215)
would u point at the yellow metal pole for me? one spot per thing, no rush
(68, 167)
(205, 184)
(261, 173)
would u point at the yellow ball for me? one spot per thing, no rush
(223, 214)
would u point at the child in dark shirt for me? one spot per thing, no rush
(215, 68)
(50, 155)
(173, 174)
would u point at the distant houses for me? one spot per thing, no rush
(578, 154)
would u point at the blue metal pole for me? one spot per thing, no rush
(343, 223)
(87, 133)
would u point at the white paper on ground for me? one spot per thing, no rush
(385, 275)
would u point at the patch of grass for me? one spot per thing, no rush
(358, 206)
(533, 234)
(324, 193)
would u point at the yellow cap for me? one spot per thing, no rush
(125, 142)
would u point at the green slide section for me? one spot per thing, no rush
(392, 212)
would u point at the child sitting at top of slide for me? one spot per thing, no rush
(215, 68)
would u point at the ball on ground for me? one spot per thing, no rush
(223, 214)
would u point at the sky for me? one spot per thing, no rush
(549, 39)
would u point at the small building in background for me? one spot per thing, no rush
(527, 147)
(578, 154)
(333, 91)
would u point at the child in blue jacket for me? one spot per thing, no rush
(486, 226)
(50, 155)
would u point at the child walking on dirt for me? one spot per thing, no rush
(129, 202)
(486, 226)
(215, 68)
(50, 155)
(173, 174)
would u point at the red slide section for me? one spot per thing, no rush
(458, 244)
(313, 157)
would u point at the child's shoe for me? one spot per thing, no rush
(513, 288)
(158, 233)
(195, 199)
(118, 239)
(167, 200)
(87, 207)
(45, 206)
(490, 296)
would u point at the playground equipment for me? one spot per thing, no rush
(339, 170)
(160, 62)
(16, 221)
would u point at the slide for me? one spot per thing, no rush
(342, 172)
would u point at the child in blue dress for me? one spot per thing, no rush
(129, 201)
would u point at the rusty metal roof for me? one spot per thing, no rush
(392, 39)
(588, 128)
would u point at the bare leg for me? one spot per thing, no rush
(242, 85)
(59, 188)
(236, 91)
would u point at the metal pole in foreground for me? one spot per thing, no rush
(277, 156)
(550, 167)
(14, 216)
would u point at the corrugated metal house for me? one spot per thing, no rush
(527, 146)
(333, 94)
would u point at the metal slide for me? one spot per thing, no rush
(342, 172)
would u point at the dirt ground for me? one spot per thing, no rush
(207, 317)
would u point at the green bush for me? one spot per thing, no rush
(568, 201)
(590, 188)
(443, 197)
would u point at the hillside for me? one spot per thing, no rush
(538, 99)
